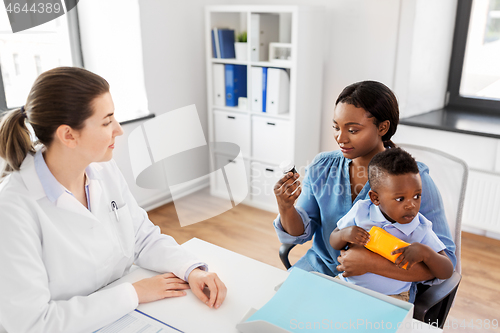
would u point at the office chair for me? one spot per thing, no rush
(450, 174)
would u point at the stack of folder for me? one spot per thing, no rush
(223, 43)
(230, 83)
(270, 90)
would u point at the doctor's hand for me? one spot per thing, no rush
(159, 287)
(199, 279)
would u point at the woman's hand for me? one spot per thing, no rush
(355, 261)
(199, 279)
(358, 260)
(287, 190)
(160, 287)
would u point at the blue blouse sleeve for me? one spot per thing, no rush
(432, 208)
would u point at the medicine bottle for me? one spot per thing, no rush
(288, 166)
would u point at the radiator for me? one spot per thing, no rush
(482, 201)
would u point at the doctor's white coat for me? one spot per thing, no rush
(54, 256)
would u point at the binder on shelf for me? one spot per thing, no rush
(256, 89)
(254, 37)
(226, 43)
(264, 89)
(259, 84)
(236, 83)
(264, 29)
(215, 43)
(278, 91)
(219, 90)
(214, 49)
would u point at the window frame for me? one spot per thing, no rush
(464, 9)
(76, 54)
(77, 57)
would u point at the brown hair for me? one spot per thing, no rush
(60, 96)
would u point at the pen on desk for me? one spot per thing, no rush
(114, 208)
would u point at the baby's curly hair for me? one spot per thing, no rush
(394, 161)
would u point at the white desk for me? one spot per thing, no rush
(250, 283)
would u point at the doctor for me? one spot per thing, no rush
(68, 222)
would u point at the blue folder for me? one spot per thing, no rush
(264, 88)
(226, 43)
(308, 302)
(236, 83)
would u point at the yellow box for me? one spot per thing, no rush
(384, 243)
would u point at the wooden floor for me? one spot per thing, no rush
(249, 231)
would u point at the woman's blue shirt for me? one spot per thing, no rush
(326, 198)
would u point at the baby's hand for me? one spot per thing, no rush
(410, 254)
(355, 235)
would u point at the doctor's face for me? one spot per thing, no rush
(97, 138)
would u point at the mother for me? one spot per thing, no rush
(365, 118)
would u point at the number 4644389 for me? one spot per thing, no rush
(471, 324)
(40, 7)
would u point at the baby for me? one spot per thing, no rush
(393, 206)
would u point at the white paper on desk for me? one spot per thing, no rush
(136, 322)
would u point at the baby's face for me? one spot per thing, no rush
(399, 197)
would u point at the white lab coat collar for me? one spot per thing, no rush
(95, 192)
(95, 188)
(66, 200)
(30, 178)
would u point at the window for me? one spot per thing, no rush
(474, 81)
(110, 46)
(26, 54)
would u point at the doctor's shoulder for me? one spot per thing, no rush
(15, 198)
(12, 186)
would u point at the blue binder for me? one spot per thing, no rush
(264, 88)
(226, 43)
(236, 83)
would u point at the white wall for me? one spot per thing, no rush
(174, 73)
(423, 54)
(403, 43)
(174, 49)
(361, 45)
(147, 198)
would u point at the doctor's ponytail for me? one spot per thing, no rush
(60, 96)
(15, 140)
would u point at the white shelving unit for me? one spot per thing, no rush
(267, 139)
